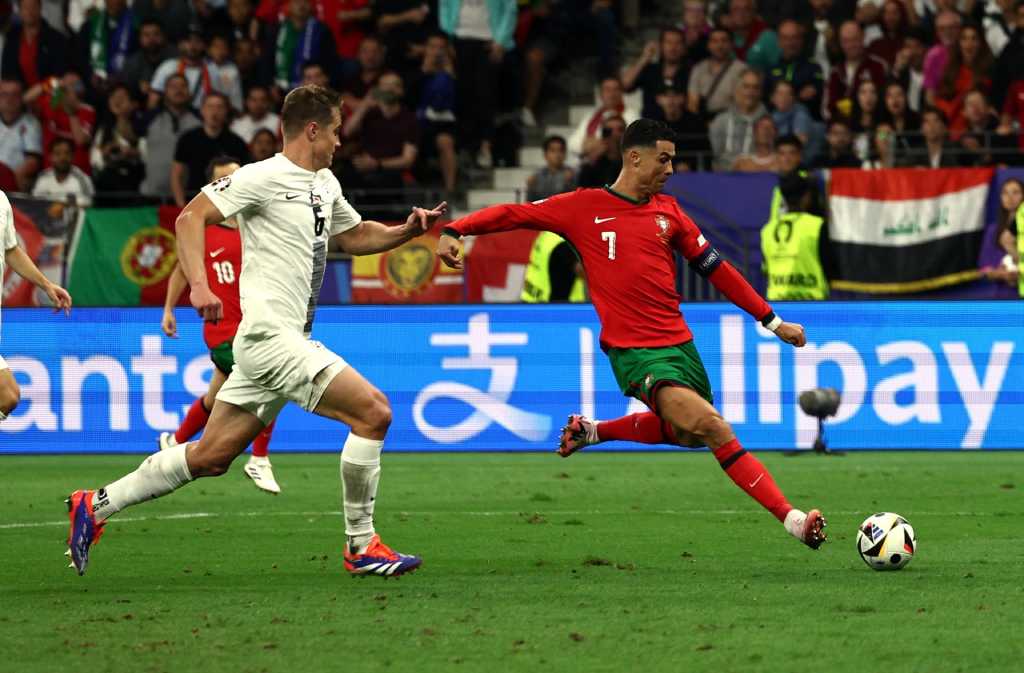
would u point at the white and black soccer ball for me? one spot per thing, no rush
(886, 541)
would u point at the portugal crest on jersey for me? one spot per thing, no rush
(663, 225)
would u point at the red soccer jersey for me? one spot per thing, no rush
(223, 267)
(56, 123)
(627, 250)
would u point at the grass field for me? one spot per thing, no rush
(603, 562)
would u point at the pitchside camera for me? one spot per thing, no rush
(819, 403)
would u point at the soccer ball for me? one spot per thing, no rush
(886, 541)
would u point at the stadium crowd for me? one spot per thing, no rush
(113, 96)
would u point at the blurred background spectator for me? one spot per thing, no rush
(263, 145)
(115, 157)
(160, 130)
(714, 80)
(237, 21)
(947, 27)
(660, 64)
(998, 247)
(1009, 67)
(196, 148)
(604, 158)
(938, 151)
(430, 92)
(142, 65)
(983, 142)
(300, 38)
(822, 38)
(205, 74)
(63, 179)
(762, 157)
(174, 16)
(838, 151)
(968, 67)
(106, 40)
(246, 57)
(258, 115)
(403, 24)
(691, 132)
(896, 114)
(891, 26)
(791, 117)
(555, 177)
(369, 68)
(33, 50)
(908, 68)
(865, 114)
(795, 67)
(588, 134)
(695, 29)
(21, 137)
(732, 131)
(63, 114)
(753, 40)
(857, 65)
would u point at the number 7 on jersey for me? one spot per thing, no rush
(610, 237)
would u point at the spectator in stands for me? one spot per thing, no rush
(713, 81)
(908, 68)
(555, 177)
(264, 145)
(79, 11)
(388, 134)
(905, 122)
(894, 20)
(258, 115)
(789, 154)
(693, 150)
(865, 116)
(762, 159)
(346, 19)
(753, 40)
(295, 41)
(998, 245)
(587, 137)
(984, 145)
(732, 131)
(1010, 63)
(650, 75)
(371, 67)
(1012, 119)
(947, 25)
(63, 179)
(800, 71)
(695, 29)
(878, 145)
(481, 32)
(838, 152)
(544, 44)
(174, 15)
(63, 114)
(938, 150)
(314, 73)
(791, 117)
(402, 24)
(237, 21)
(105, 43)
(161, 129)
(21, 138)
(115, 157)
(968, 67)
(856, 67)
(246, 59)
(822, 39)
(153, 50)
(999, 25)
(431, 94)
(33, 50)
(604, 160)
(197, 147)
(205, 75)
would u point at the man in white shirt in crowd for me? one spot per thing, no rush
(257, 116)
(204, 74)
(63, 179)
(586, 138)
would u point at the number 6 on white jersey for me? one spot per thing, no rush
(610, 237)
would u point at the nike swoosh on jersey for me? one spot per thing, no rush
(598, 220)
(289, 197)
(216, 252)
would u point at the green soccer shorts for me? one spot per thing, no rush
(641, 371)
(223, 357)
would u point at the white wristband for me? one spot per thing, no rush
(774, 324)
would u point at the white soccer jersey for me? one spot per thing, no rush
(8, 237)
(285, 215)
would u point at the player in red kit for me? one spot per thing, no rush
(223, 266)
(625, 235)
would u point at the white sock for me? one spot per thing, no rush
(360, 472)
(3, 417)
(162, 473)
(171, 439)
(794, 523)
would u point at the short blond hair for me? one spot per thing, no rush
(306, 104)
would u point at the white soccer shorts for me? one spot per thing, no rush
(3, 363)
(270, 372)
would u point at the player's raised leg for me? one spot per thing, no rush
(230, 431)
(696, 423)
(352, 400)
(645, 427)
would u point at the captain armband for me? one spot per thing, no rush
(706, 262)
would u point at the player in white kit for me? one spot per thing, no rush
(13, 256)
(288, 207)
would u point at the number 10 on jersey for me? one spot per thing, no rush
(610, 237)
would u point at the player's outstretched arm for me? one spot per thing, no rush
(23, 265)
(736, 289)
(191, 229)
(369, 237)
(176, 284)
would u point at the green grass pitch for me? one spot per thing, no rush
(601, 562)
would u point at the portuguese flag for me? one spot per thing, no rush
(123, 256)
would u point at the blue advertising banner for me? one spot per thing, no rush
(927, 375)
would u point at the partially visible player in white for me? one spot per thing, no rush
(21, 264)
(288, 207)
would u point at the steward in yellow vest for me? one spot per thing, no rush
(553, 274)
(791, 245)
